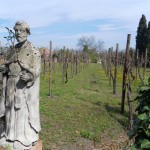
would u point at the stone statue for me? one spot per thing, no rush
(19, 103)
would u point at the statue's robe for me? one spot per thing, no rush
(20, 100)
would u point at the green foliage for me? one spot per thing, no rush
(85, 134)
(93, 57)
(92, 53)
(89, 135)
(141, 36)
(141, 125)
(85, 49)
(8, 147)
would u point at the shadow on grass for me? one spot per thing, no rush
(115, 112)
(98, 103)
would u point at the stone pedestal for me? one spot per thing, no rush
(38, 146)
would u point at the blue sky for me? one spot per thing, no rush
(65, 21)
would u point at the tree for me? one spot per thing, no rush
(91, 46)
(90, 43)
(141, 36)
(148, 40)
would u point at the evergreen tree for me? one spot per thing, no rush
(141, 36)
(148, 40)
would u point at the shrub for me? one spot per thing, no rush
(141, 125)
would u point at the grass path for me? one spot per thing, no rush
(81, 111)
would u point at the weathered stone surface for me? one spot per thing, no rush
(38, 146)
(18, 104)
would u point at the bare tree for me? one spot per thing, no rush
(91, 46)
(91, 43)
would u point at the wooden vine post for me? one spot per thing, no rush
(66, 65)
(130, 78)
(125, 73)
(53, 60)
(129, 100)
(109, 63)
(105, 62)
(50, 71)
(44, 60)
(63, 66)
(76, 62)
(115, 71)
(72, 65)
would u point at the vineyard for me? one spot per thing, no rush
(84, 112)
(92, 100)
(86, 105)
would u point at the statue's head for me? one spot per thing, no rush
(22, 30)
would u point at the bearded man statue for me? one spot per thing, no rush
(19, 103)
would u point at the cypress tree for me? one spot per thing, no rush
(141, 36)
(148, 40)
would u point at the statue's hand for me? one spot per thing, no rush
(25, 76)
(3, 69)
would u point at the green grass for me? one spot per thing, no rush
(83, 108)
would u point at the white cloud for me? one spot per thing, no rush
(122, 16)
(43, 13)
(107, 27)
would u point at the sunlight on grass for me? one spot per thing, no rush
(83, 108)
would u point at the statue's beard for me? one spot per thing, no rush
(21, 39)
